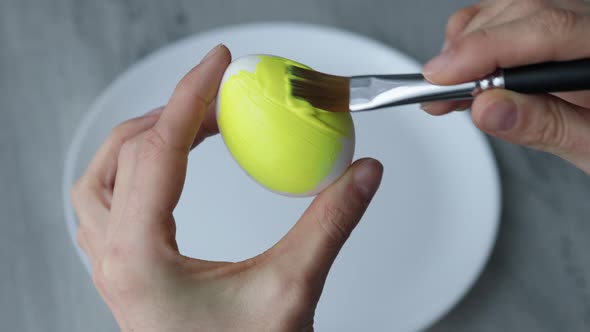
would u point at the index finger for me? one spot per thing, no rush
(153, 166)
(184, 113)
(548, 35)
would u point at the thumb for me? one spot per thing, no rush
(310, 247)
(542, 122)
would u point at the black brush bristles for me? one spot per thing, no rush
(323, 91)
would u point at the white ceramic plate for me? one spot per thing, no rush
(421, 244)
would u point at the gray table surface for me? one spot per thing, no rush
(56, 57)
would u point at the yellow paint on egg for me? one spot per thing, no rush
(282, 142)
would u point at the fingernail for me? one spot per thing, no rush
(426, 106)
(500, 116)
(438, 63)
(212, 52)
(461, 109)
(437, 107)
(154, 111)
(367, 177)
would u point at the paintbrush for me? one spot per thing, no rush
(368, 92)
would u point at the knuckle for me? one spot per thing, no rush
(126, 131)
(555, 21)
(118, 273)
(482, 36)
(549, 133)
(80, 192)
(334, 221)
(81, 239)
(290, 291)
(75, 193)
(533, 4)
(128, 149)
(118, 132)
(298, 294)
(557, 134)
(553, 133)
(477, 40)
(183, 86)
(186, 88)
(152, 145)
(459, 19)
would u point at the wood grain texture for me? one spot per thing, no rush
(56, 57)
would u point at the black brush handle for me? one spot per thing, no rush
(549, 77)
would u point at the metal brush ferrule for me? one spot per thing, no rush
(377, 91)
(495, 80)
